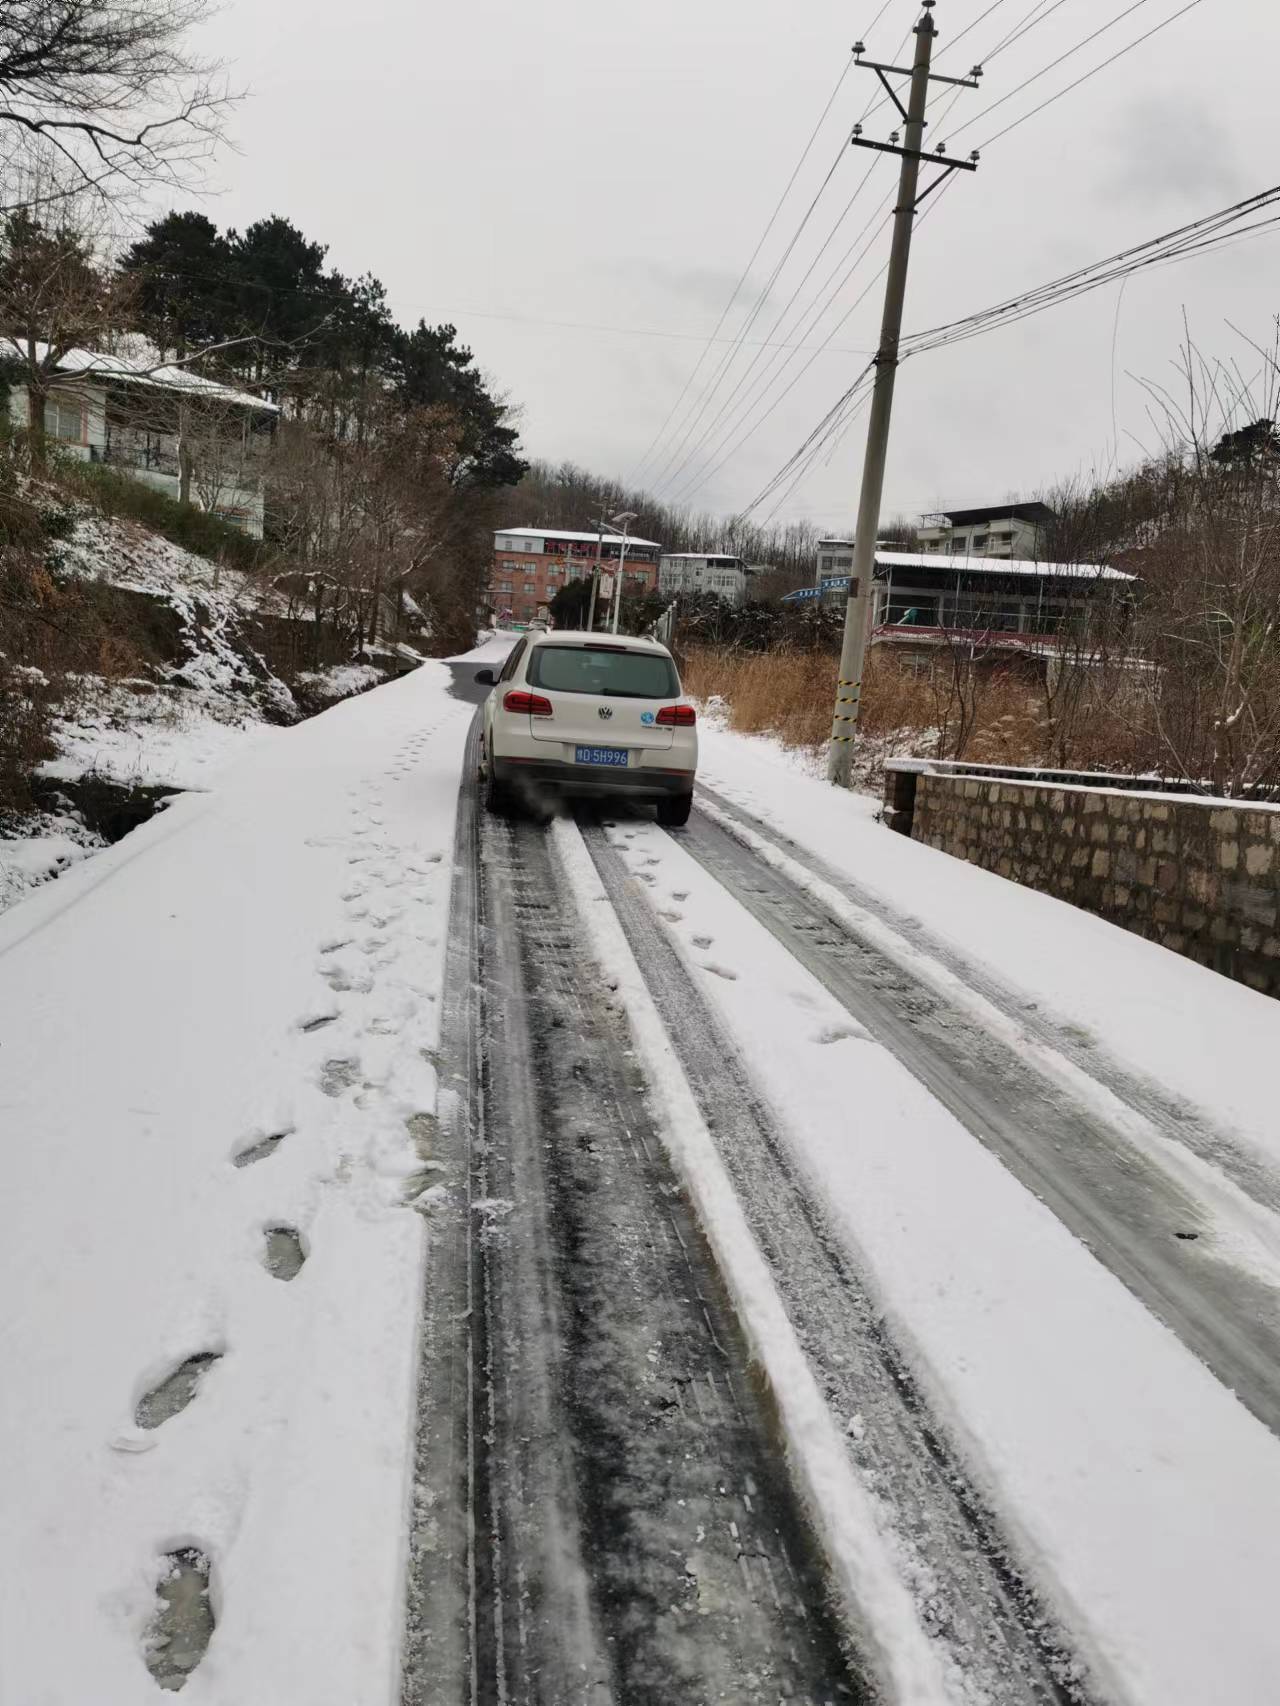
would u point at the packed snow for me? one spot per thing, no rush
(260, 962)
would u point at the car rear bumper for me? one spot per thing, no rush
(588, 782)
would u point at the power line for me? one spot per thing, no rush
(1028, 23)
(1061, 59)
(690, 487)
(801, 331)
(1211, 232)
(835, 419)
(773, 217)
(770, 376)
(635, 331)
(1119, 54)
(709, 391)
(674, 464)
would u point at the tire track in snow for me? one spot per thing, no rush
(600, 1510)
(1177, 1119)
(1125, 1207)
(971, 1596)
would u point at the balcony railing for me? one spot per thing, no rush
(149, 457)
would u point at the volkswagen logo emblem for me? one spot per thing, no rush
(605, 711)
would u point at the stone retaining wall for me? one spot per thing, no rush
(1200, 876)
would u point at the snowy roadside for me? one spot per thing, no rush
(1202, 1040)
(1137, 1488)
(217, 1057)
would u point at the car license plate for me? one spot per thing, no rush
(611, 755)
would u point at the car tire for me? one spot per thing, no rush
(675, 811)
(497, 796)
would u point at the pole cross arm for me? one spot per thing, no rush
(914, 154)
(905, 71)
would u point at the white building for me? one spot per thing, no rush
(109, 409)
(1012, 530)
(835, 557)
(705, 571)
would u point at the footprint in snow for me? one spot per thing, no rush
(169, 1397)
(703, 941)
(178, 1635)
(679, 894)
(259, 1149)
(283, 1252)
(671, 916)
(334, 943)
(337, 1076)
(317, 1022)
(721, 971)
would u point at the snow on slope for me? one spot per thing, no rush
(262, 960)
(1142, 1493)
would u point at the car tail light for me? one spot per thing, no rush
(677, 716)
(531, 703)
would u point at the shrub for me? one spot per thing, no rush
(119, 494)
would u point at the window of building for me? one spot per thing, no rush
(506, 588)
(531, 586)
(957, 545)
(979, 541)
(63, 418)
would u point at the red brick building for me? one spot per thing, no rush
(531, 564)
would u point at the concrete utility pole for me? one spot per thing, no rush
(595, 578)
(626, 519)
(849, 688)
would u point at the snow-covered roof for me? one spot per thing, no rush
(700, 557)
(570, 535)
(998, 566)
(97, 364)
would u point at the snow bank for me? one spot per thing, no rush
(50, 844)
(260, 961)
(342, 681)
(1202, 1041)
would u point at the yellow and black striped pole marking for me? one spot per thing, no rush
(845, 699)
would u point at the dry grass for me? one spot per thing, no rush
(787, 694)
(790, 695)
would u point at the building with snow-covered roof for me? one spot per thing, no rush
(531, 564)
(922, 600)
(174, 430)
(706, 571)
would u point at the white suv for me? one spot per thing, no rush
(593, 715)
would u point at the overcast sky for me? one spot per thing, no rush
(506, 166)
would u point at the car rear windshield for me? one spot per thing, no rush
(607, 671)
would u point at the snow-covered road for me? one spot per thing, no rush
(464, 1260)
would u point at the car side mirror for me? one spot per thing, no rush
(486, 678)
